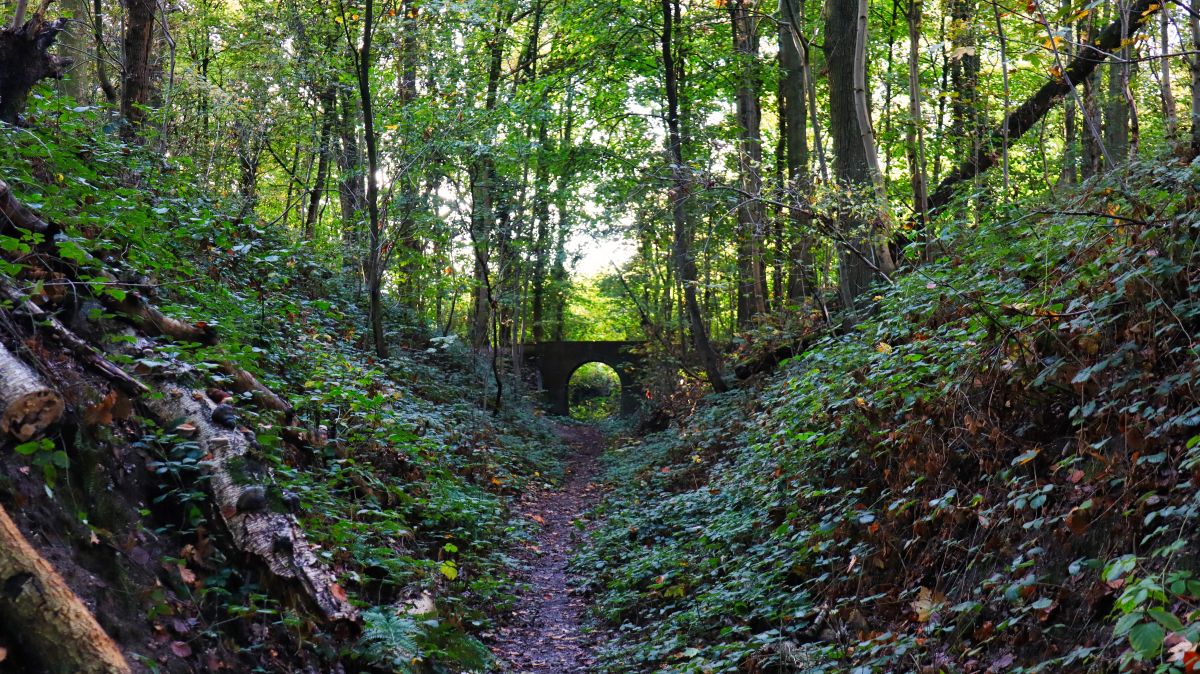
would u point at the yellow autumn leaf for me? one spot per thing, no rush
(1054, 44)
(883, 347)
(926, 603)
(1027, 457)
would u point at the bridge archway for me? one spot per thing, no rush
(557, 361)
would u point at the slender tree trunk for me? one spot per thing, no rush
(685, 264)
(1007, 96)
(1170, 109)
(751, 229)
(409, 188)
(137, 67)
(1194, 67)
(374, 266)
(795, 103)
(329, 117)
(916, 121)
(106, 85)
(541, 250)
(483, 207)
(351, 195)
(1070, 157)
(940, 132)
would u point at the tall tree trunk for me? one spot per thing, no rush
(483, 207)
(541, 215)
(685, 264)
(555, 295)
(106, 85)
(1170, 111)
(374, 264)
(1070, 156)
(351, 195)
(137, 68)
(1194, 67)
(751, 279)
(916, 121)
(964, 78)
(851, 164)
(325, 149)
(1116, 109)
(76, 40)
(794, 117)
(409, 187)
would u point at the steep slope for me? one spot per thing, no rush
(391, 470)
(995, 471)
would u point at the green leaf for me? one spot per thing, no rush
(449, 569)
(1166, 619)
(1147, 639)
(33, 446)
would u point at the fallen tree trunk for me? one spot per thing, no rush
(131, 304)
(27, 405)
(244, 382)
(51, 622)
(14, 213)
(25, 60)
(272, 539)
(154, 322)
(87, 353)
(1021, 120)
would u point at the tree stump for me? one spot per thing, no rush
(25, 60)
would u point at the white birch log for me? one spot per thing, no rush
(27, 405)
(271, 538)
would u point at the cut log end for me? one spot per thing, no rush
(27, 405)
(31, 414)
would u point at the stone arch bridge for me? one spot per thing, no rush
(557, 361)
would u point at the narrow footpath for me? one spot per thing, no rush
(544, 634)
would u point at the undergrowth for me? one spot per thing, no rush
(995, 470)
(404, 489)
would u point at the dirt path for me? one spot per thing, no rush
(544, 634)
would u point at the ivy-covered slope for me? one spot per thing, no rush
(998, 470)
(403, 480)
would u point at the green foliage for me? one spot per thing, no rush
(911, 493)
(411, 490)
(390, 641)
